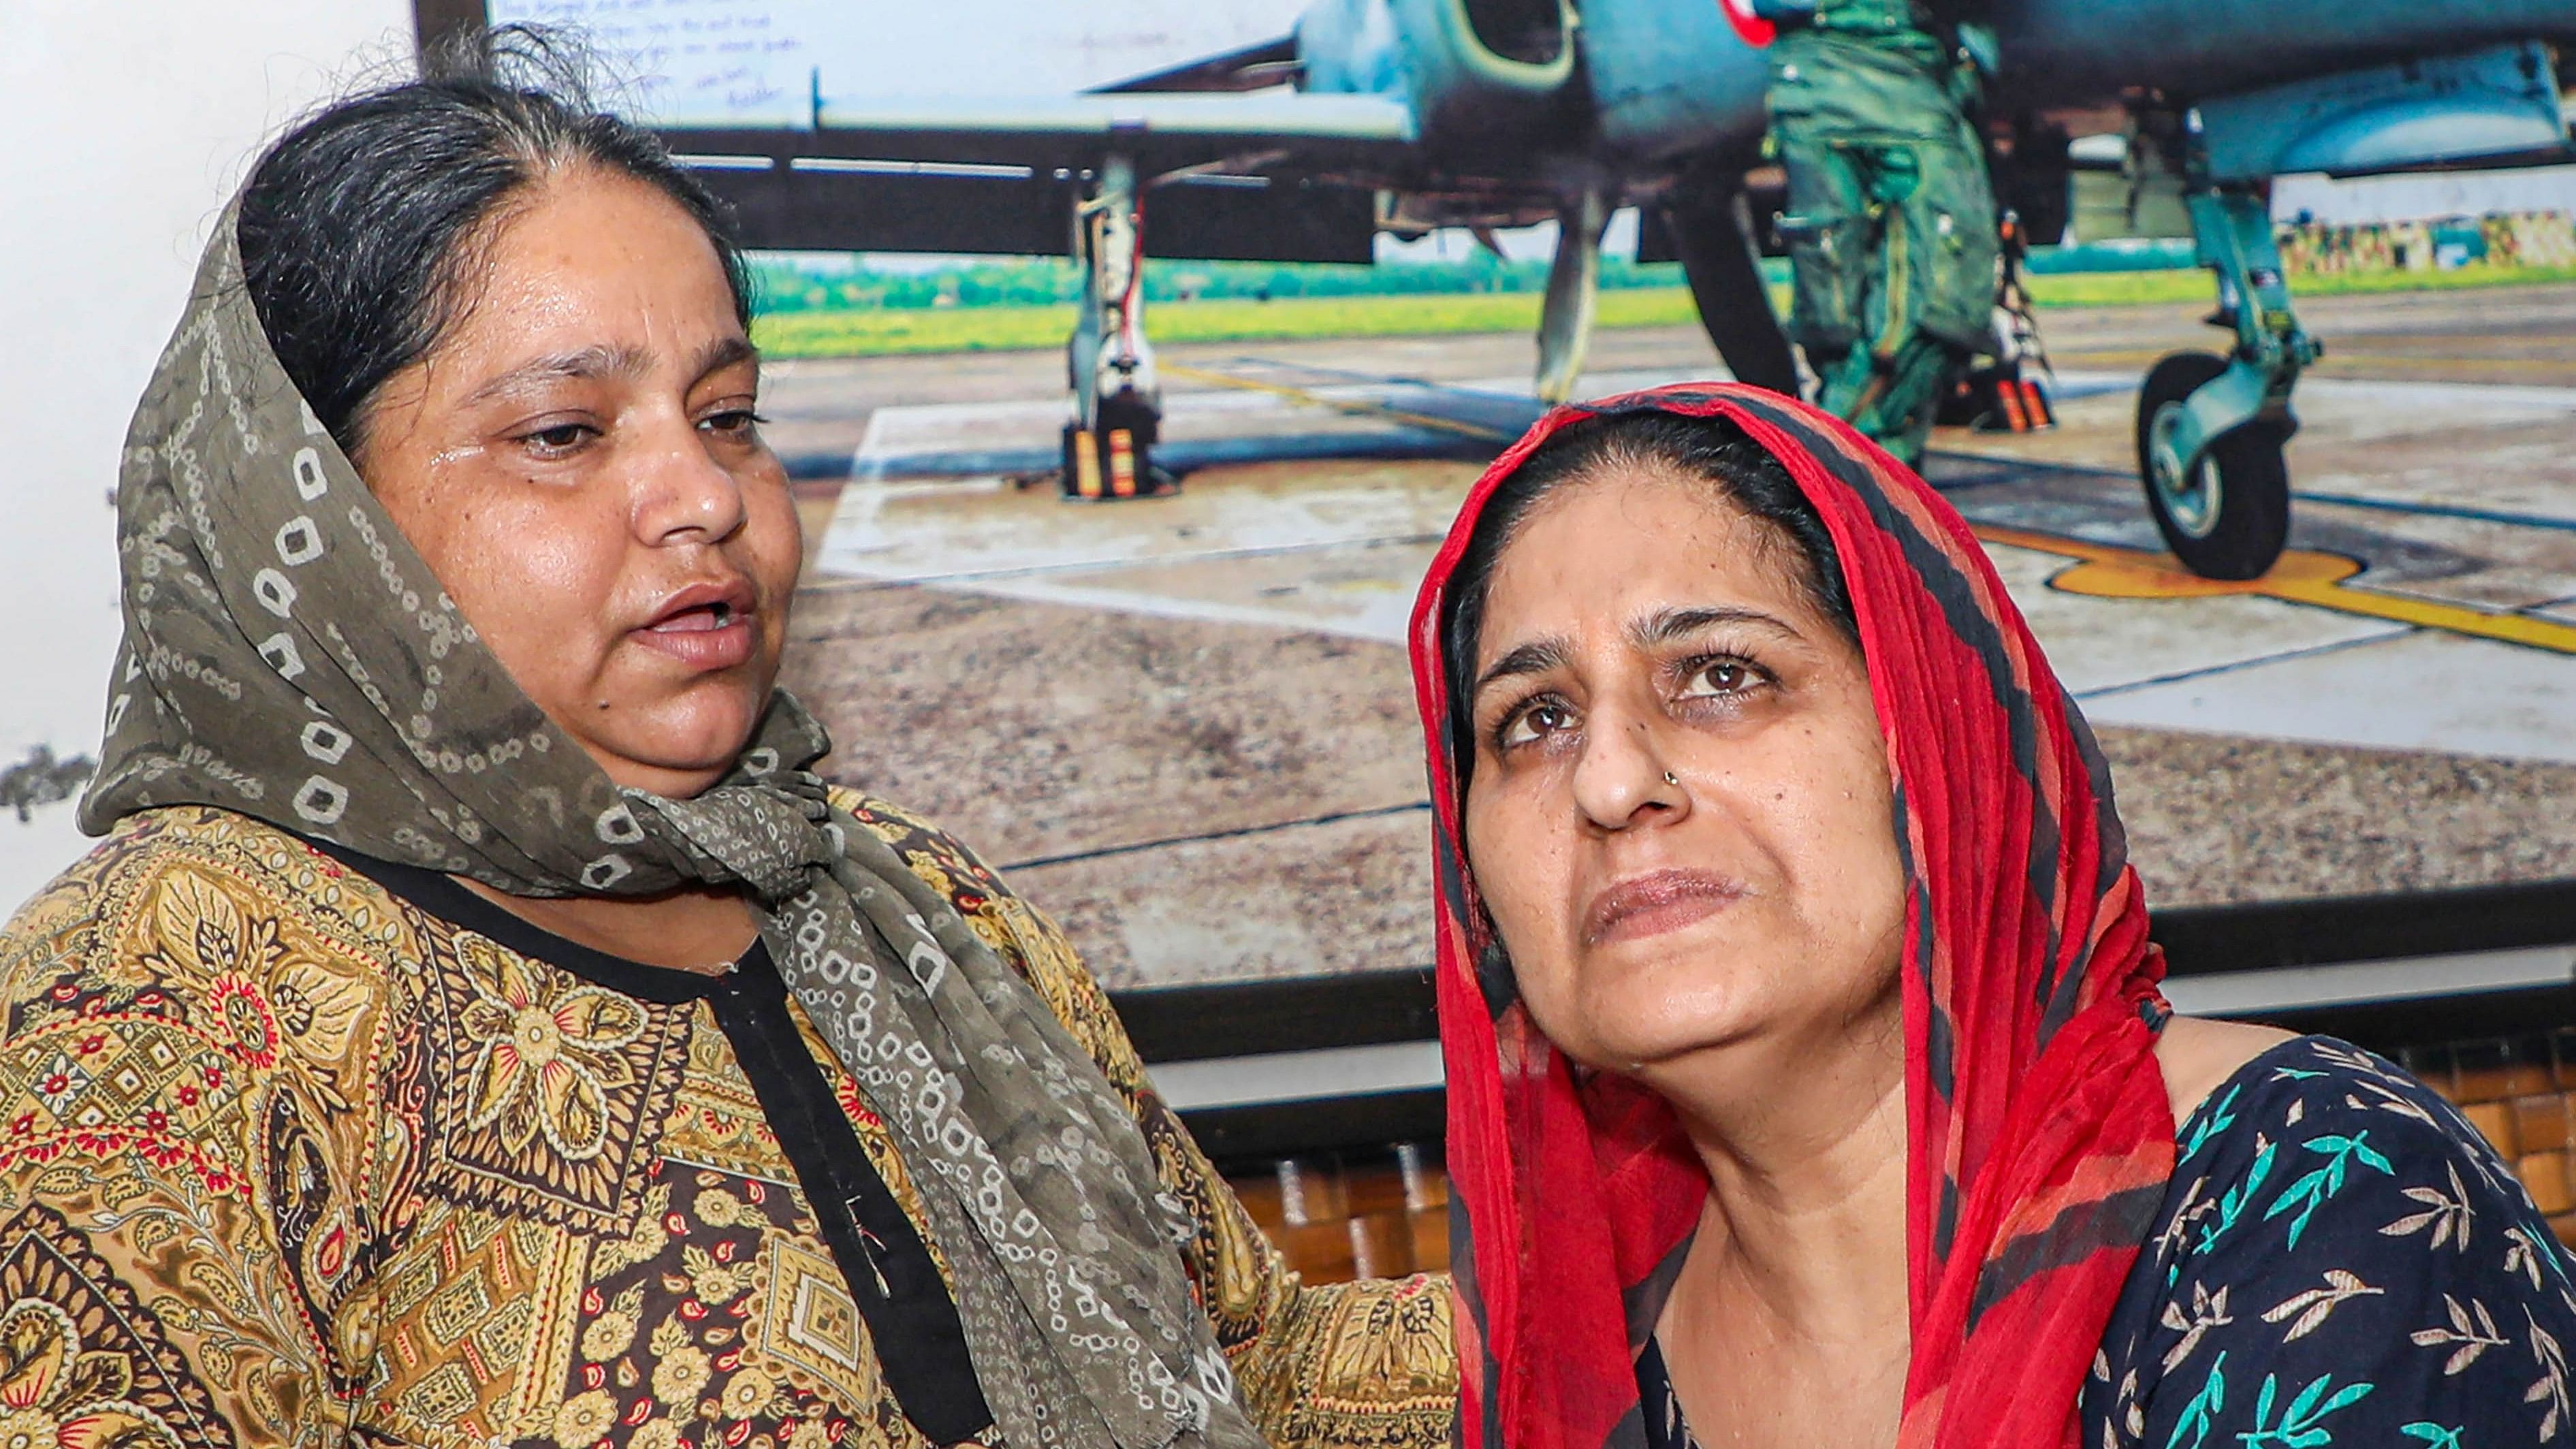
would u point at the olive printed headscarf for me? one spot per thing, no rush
(287, 655)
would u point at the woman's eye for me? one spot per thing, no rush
(1722, 677)
(561, 438)
(1534, 723)
(732, 422)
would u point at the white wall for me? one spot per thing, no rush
(2430, 197)
(124, 126)
(757, 61)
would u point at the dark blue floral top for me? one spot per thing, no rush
(2343, 1261)
(2340, 1261)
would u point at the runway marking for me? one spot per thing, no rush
(1273, 827)
(2143, 358)
(2198, 672)
(2301, 577)
(2442, 510)
(1974, 454)
(1353, 407)
(1003, 573)
(2101, 570)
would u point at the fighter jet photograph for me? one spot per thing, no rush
(1399, 116)
(1319, 723)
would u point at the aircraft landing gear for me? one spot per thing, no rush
(1711, 225)
(2211, 430)
(2210, 445)
(2229, 516)
(1573, 293)
(1117, 400)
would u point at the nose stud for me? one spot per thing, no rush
(1670, 779)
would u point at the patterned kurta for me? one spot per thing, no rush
(2341, 1260)
(286, 1158)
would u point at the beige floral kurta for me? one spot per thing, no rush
(286, 1160)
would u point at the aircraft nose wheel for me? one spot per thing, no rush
(2230, 518)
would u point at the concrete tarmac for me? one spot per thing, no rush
(1186, 727)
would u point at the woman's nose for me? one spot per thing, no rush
(683, 495)
(1622, 779)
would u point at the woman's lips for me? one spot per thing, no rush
(707, 636)
(1649, 905)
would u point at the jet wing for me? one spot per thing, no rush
(1255, 67)
(1239, 176)
(1164, 131)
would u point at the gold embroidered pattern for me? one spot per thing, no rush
(548, 1054)
(283, 1159)
(81, 1361)
(559, 1089)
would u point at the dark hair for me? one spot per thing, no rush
(1710, 448)
(360, 227)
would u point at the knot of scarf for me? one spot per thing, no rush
(769, 835)
(287, 655)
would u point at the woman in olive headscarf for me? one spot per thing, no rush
(480, 1026)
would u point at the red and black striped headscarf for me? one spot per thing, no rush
(2038, 1133)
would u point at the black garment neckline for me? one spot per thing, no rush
(913, 1322)
(441, 896)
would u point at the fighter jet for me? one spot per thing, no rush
(1406, 115)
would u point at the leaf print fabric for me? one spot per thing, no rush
(2341, 1261)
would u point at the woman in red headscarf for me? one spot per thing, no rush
(1808, 1079)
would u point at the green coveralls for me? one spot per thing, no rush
(1891, 220)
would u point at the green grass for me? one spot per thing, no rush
(884, 332)
(1010, 329)
(2194, 288)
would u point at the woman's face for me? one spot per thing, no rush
(1640, 626)
(578, 462)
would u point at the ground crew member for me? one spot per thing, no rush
(1891, 219)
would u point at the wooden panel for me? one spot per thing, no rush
(2540, 1122)
(1335, 1216)
(1385, 1214)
